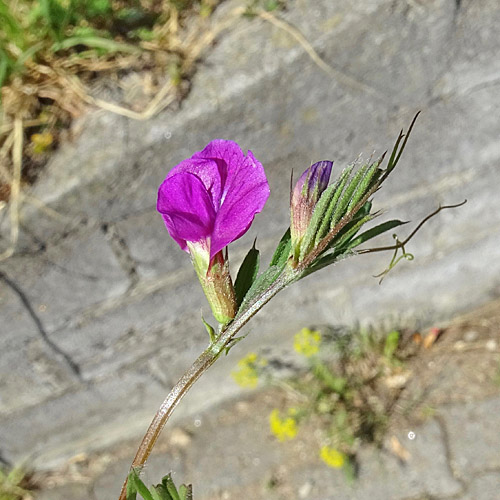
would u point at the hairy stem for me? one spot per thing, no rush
(200, 366)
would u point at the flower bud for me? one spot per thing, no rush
(304, 197)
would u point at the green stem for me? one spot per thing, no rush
(200, 366)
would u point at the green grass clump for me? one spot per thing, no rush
(349, 391)
(41, 30)
(13, 485)
(52, 50)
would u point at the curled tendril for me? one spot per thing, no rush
(395, 259)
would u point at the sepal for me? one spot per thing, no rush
(247, 274)
(218, 288)
(282, 252)
(210, 330)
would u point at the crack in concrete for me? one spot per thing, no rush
(71, 272)
(456, 13)
(133, 294)
(122, 253)
(91, 490)
(433, 97)
(40, 245)
(126, 135)
(73, 226)
(133, 213)
(449, 455)
(56, 350)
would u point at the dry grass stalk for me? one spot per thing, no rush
(17, 153)
(336, 74)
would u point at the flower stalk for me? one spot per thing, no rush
(207, 358)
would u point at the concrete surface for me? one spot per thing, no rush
(100, 311)
(449, 438)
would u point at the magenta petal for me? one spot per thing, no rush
(211, 173)
(186, 207)
(245, 193)
(213, 196)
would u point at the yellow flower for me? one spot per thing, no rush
(247, 373)
(41, 142)
(307, 342)
(283, 428)
(332, 457)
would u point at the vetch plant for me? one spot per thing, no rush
(210, 200)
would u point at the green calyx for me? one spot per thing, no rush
(216, 282)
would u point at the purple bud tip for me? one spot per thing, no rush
(315, 179)
(305, 195)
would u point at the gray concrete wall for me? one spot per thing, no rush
(100, 310)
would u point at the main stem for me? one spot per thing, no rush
(204, 361)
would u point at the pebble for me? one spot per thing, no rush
(491, 345)
(397, 381)
(305, 490)
(179, 437)
(470, 336)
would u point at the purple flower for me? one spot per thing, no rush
(211, 198)
(304, 197)
(208, 201)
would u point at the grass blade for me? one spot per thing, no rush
(95, 42)
(11, 26)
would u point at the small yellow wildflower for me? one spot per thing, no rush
(41, 142)
(332, 457)
(283, 428)
(307, 342)
(247, 373)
